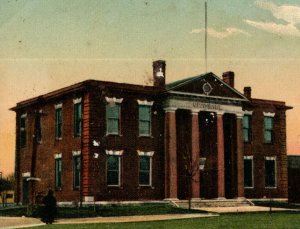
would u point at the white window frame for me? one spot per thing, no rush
(58, 156)
(58, 106)
(76, 154)
(75, 102)
(150, 155)
(149, 104)
(272, 158)
(23, 129)
(252, 170)
(268, 115)
(113, 100)
(119, 154)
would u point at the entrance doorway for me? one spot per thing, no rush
(25, 191)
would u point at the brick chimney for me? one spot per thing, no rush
(228, 77)
(247, 92)
(159, 73)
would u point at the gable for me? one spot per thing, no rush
(195, 85)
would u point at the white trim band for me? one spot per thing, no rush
(77, 100)
(145, 102)
(58, 105)
(76, 153)
(114, 152)
(113, 100)
(269, 114)
(27, 174)
(57, 155)
(248, 112)
(148, 154)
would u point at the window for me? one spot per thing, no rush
(113, 118)
(248, 171)
(144, 120)
(270, 172)
(23, 132)
(58, 122)
(145, 170)
(38, 128)
(77, 118)
(58, 172)
(113, 170)
(76, 170)
(268, 129)
(247, 128)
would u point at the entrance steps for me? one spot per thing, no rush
(213, 203)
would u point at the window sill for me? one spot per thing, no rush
(248, 187)
(145, 187)
(58, 189)
(270, 187)
(145, 136)
(112, 134)
(58, 139)
(114, 186)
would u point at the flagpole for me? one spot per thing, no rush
(205, 36)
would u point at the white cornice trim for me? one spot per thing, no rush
(113, 100)
(114, 152)
(246, 112)
(58, 105)
(57, 155)
(202, 95)
(142, 153)
(76, 153)
(145, 102)
(269, 114)
(77, 100)
(27, 174)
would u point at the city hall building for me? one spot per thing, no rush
(195, 138)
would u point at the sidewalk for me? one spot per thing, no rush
(243, 209)
(19, 222)
(23, 222)
(123, 219)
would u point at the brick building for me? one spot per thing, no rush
(294, 178)
(198, 137)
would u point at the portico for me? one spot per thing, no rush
(194, 129)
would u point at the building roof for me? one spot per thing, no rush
(78, 87)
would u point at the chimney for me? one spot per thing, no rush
(159, 73)
(228, 77)
(247, 92)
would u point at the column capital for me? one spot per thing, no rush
(170, 109)
(194, 111)
(219, 113)
(240, 115)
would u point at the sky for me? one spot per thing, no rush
(49, 44)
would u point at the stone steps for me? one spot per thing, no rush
(213, 203)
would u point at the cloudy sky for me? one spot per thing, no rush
(48, 44)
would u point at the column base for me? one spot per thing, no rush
(88, 199)
(220, 198)
(196, 199)
(171, 199)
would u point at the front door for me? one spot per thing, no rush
(25, 197)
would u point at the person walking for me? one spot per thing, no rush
(49, 209)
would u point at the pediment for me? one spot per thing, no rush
(208, 85)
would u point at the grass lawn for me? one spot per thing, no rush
(243, 221)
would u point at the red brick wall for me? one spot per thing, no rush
(259, 150)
